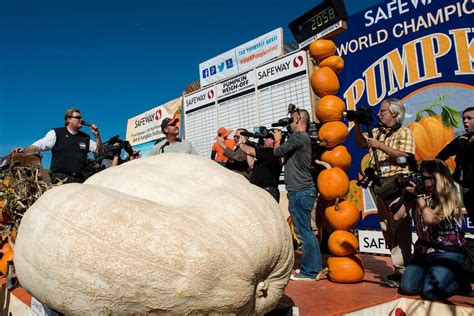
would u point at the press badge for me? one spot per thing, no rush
(82, 146)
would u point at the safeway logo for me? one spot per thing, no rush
(298, 61)
(158, 114)
(210, 94)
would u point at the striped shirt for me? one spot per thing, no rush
(401, 139)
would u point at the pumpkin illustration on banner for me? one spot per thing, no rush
(434, 131)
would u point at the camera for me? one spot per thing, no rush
(370, 176)
(260, 133)
(403, 181)
(113, 147)
(362, 116)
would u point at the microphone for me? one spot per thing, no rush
(86, 123)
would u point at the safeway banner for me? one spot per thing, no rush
(146, 127)
(244, 57)
(419, 51)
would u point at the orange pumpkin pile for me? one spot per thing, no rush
(333, 183)
(6, 251)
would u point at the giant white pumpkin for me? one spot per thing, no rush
(173, 233)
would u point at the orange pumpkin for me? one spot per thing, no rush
(7, 257)
(332, 134)
(342, 216)
(342, 243)
(336, 63)
(324, 82)
(337, 157)
(333, 183)
(430, 136)
(346, 269)
(6, 248)
(322, 48)
(330, 108)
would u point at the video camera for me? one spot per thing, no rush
(259, 133)
(113, 147)
(362, 116)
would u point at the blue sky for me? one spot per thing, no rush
(115, 59)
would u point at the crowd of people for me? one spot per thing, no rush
(434, 270)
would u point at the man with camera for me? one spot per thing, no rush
(172, 143)
(266, 167)
(69, 147)
(296, 151)
(238, 161)
(391, 142)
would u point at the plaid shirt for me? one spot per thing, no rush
(401, 139)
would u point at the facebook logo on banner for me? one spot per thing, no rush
(205, 73)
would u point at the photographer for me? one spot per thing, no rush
(238, 161)
(301, 190)
(266, 168)
(436, 270)
(463, 148)
(391, 141)
(69, 147)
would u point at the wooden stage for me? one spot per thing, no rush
(322, 297)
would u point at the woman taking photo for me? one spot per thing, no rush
(435, 271)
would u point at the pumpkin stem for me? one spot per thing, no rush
(336, 206)
(323, 163)
(322, 273)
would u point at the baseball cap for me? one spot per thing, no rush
(224, 132)
(169, 122)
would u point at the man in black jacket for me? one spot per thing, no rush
(69, 147)
(463, 148)
(266, 167)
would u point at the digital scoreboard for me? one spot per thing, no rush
(316, 21)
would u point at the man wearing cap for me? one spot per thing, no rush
(238, 161)
(217, 152)
(69, 147)
(172, 143)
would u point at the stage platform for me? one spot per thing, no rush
(327, 298)
(321, 297)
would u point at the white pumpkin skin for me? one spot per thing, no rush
(173, 233)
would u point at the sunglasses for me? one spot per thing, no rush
(76, 117)
(236, 137)
(427, 177)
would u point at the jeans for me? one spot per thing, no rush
(434, 276)
(300, 206)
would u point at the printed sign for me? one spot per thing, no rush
(371, 241)
(242, 58)
(147, 126)
(421, 52)
(258, 97)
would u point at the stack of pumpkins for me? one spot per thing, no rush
(333, 183)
